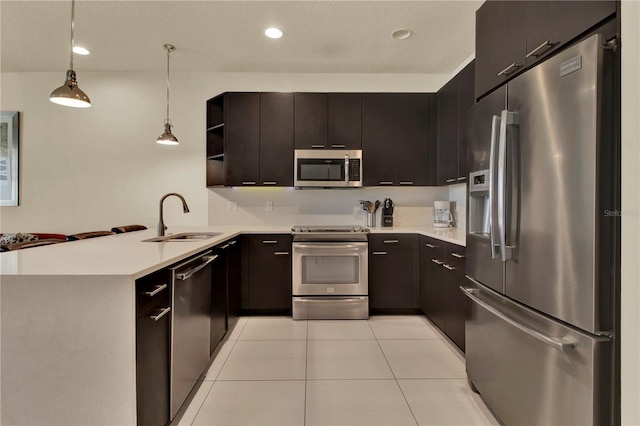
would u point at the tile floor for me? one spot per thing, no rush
(389, 370)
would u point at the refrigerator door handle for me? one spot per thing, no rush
(512, 205)
(555, 343)
(493, 228)
(507, 118)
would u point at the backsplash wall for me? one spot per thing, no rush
(413, 206)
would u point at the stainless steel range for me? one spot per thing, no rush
(330, 278)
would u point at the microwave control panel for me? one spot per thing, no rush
(354, 169)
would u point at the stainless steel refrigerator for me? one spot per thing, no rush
(540, 242)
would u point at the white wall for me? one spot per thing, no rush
(84, 170)
(630, 291)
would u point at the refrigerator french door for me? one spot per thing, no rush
(539, 245)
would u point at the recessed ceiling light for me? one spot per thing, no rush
(273, 32)
(401, 34)
(80, 50)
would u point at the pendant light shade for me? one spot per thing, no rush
(69, 94)
(167, 138)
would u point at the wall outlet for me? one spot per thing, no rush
(232, 206)
(269, 206)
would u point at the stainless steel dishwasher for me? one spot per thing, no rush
(190, 331)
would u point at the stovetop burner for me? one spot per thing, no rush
(329, 228)
(324, 233)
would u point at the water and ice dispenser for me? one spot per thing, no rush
(479, 204)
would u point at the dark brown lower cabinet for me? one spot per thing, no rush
(234, 254)
(266, 274)
(153, 331)
(393, 274)
(442, 274)
(218, 298)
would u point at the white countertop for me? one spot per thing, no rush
(126, 254)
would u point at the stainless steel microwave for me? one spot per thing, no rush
(327, 168)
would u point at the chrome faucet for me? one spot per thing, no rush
(185, 209)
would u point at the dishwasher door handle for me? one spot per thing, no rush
(186, 275)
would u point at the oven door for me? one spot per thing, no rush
(330, 269)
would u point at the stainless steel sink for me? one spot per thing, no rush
(184, 236)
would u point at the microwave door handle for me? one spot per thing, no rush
(493, 225)
(346, 170)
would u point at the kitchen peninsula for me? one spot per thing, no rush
(68, 316)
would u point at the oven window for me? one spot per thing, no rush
(320, 170)
(330, 270)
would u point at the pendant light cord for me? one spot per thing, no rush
(169, 49)
(73, 9)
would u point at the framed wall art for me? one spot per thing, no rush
(9, 160)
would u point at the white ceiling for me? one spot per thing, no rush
(227, 36)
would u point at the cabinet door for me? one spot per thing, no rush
(310, 120)
(466, 100)
(448, 132)
(234, 256)
(242, 139)
(455, 300)
(269, 280)
(218, 299)
(378, 139)
(412, 139)
(390, 279)
(432, 290)
(345, 120)
(551, 24)
(500, 43)
(276, 139)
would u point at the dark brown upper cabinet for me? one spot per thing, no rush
(310, 121)
(514, 35)
(241, 139)
(398, 139)
(454, 100)
(328, 121)
(344, 120)
(276, 139)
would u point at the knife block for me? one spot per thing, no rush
(387, 220)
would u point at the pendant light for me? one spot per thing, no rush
(69, 94)
(167, 137)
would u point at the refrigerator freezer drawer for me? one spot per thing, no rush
(532, 370)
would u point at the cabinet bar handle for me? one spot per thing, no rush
(269, 242)
(436, 261)
(386, 182)
(451, 268)
(248, 183)
(459, 256)
(406, 182)
(337, 146)
(391, 241)
(508, 70)
(158, 289)
(450, 180)
(430, 245)
(226, 246)
(232, 242)
(317, 146)
(162, 313)
(535, 51)
(379, 252)
(270, 183)
(462, 178)
(281, 253)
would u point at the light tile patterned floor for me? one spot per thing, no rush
(389, 370)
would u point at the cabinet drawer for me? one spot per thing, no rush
(389, 241)
(153, 291)
(277, 242)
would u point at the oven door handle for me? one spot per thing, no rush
(324, 246)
